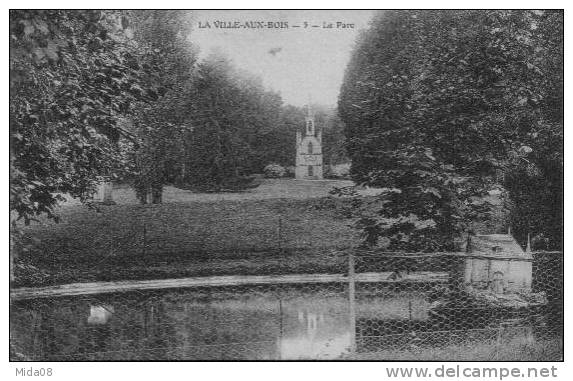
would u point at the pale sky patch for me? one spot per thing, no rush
(307, 62)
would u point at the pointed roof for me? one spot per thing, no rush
(308, 111)
(502, 245)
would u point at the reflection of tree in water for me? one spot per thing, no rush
(185, 325)
(155, 327)
(49, 330)
(136, 329)
(174, 325)
(45, 334)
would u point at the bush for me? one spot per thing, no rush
(290, 171)
(338, 171)
(274, 171)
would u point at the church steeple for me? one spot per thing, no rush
(309, 149)
(309, 120)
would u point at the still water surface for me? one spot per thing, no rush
(313, 322)
(236, 323)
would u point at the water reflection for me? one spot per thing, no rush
(219, 324)
(200, 324)
(315, 334)
(100, 314)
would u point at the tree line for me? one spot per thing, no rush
(121, 95)
(443, 109)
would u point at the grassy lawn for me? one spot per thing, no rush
(269, 189)
(194, 234)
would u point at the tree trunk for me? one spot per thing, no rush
(157, 194)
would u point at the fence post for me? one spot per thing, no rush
(410, 310)
(500, 331)
(280, 329)
(144, 238)
(351, 299)
(280, 232)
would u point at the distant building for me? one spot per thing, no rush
(309, 151)
(104, 192)
(497, 262)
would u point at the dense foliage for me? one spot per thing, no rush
(439, 106)
(120, 95)
(229, 113)
(71, 78)
(167, 58)
(239, 127)
(274, 171)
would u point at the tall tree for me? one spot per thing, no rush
(71, 76)
(167, 58)
(436, 105)
(213, 147)
(234, 120)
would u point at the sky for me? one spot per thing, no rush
(301, 63)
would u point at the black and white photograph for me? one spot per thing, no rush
(286, 185)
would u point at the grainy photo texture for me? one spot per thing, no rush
(286, 185)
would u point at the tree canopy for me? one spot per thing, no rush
(100, 95)
(71, 78)
(438, 105)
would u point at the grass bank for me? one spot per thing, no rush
(192, 238)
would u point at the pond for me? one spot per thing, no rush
(238, 323)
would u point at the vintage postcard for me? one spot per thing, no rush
(217, 185)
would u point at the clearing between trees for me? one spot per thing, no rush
(282, 227)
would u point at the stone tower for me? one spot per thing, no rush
(309, 151)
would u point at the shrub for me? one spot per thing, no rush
(338, 171)
(290, 171)
(274, 171)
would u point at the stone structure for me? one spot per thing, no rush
(104, 193)
(497, 262)
(309, 151)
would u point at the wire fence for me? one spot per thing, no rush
(367, 305)
(184, 240)
(463, 306)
